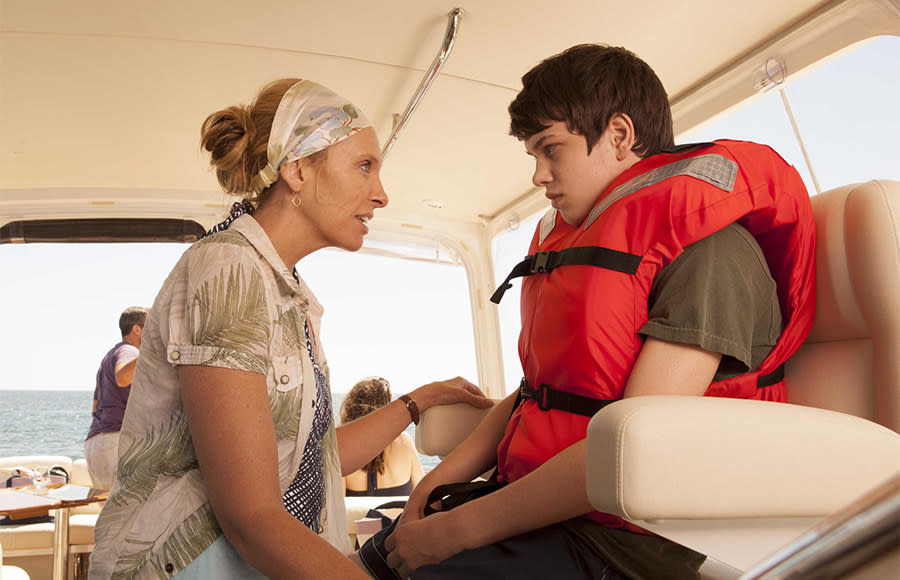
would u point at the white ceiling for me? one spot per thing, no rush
(101, 100)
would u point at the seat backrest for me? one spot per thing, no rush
(851, 360)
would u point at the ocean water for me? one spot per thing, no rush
(56, 423)
(44, 422)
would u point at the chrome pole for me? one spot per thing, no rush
(60, 542)
(449, 39)
(854, 536)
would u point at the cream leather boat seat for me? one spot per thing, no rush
(736, 479)
(851, 360)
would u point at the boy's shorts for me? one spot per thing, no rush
(551, 552)
(374, 555)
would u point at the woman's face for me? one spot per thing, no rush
(346, 191)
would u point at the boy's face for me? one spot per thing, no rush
(573, 178)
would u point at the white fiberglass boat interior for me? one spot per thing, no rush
(101, 103)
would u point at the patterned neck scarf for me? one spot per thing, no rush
(238, 209)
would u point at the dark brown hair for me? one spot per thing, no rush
(584, 87)
(366, 396)
(136, 315)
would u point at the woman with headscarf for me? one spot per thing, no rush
(396, 470)
(229, 462)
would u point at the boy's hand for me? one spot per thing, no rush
(420, 542)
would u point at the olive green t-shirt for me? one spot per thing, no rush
(718, 295)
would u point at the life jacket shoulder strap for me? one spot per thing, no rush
(543, 262)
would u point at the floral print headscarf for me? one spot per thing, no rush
(310, 117)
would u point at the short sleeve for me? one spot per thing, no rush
(718, 295)
(222, 318)
(125, 354)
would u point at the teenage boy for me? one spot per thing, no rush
(659, 270)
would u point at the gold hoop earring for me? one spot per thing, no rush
(296, 201)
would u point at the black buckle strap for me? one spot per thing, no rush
(548, 398)
(452, 495)
(543, 262)
(770, 379)
(539, 262)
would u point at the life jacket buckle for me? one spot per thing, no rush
(539, 395)
(523, 390)
(548, 399)
(541, 260)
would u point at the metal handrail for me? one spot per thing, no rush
(858, 534)
(449, 39)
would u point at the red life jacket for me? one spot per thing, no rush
(580, 322)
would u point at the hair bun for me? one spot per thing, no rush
(237, 138)
(228, 135)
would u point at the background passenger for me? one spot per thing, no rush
(685, 304)
(394, 471)
(229, 463)
(111, 397)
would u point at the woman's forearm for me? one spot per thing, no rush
(281, 547)
(361, 440)
(234, 439)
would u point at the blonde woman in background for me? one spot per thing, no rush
(396, 470)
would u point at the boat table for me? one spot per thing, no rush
(23, 502)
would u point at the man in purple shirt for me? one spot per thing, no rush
(110, 397)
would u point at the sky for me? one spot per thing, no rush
(380, 313)
(410, 321)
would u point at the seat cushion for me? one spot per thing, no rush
(40, 536)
